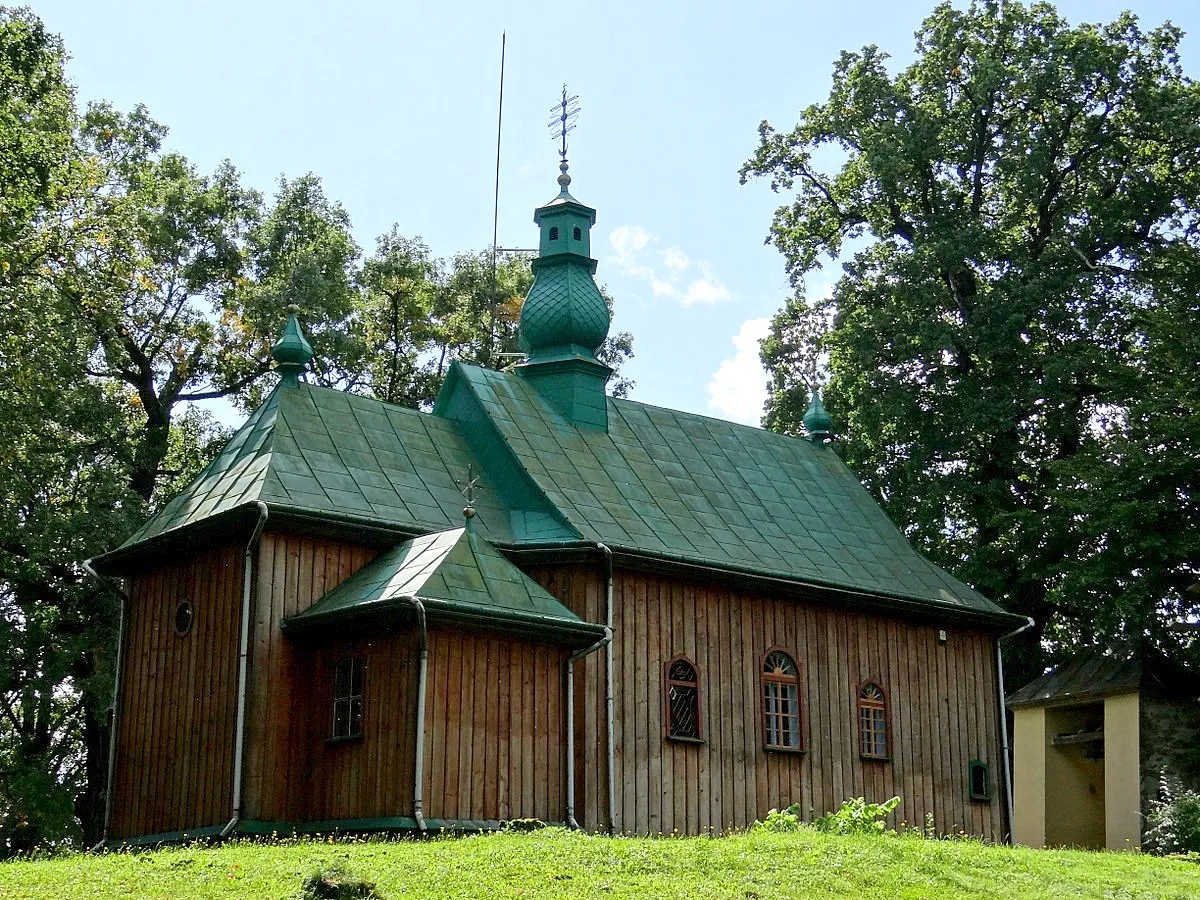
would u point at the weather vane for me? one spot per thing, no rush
(562, 122)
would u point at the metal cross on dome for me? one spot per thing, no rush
(562, 119)
(470, 486)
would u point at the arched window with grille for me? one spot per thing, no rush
(872, 722)
(683, 700)
(348, 697)
(781, 701)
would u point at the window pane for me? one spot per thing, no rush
(341, 678)
(681, 670)
(792, 711)
(684, 711)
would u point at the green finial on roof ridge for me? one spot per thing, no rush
(292, 352)
(817, 421)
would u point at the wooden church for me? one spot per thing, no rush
(646, 620)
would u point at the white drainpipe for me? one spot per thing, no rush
(114, 719)
(570, 669)
(419, 753)
(1005, 764)
(239, 740)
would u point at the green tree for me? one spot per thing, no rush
(62, 489)
(418, 314)
(1011, 347)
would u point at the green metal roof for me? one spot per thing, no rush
(458, 576)
(657, 483)
(313, 450)
(706, 491)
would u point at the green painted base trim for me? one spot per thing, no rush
(166, 837)
(260, 828)
(323, 826)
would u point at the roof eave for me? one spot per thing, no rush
(447, 612)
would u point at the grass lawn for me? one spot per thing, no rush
(557, 863)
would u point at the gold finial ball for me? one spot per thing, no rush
(469, 512)
(294, 308)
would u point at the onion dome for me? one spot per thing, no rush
(817, 422)
(292, 352)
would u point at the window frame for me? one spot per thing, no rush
(358, 664)
(668, 682)
(801, 713)
(185, 608)
(885, 707)
(978, 765)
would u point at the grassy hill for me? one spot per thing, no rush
(557, 863)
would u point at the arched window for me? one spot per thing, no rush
(578, 234)
(554, 233)
(683, 700)
(781, 701)
(347, 697)
(872, 722)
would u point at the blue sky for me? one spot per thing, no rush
(393, 105)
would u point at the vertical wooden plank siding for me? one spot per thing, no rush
(174, 744)
(941, 708)
(363, 778)
(492, 704)
(493, 766)
(292, 573)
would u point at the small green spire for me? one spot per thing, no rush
(292, 352)
(817, 421)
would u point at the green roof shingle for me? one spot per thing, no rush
(657, 483)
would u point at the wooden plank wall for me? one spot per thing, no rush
(293, 572)
(941, 705)
(179, 698)
(359, 779)
(495, 746)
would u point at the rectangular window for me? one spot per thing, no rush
(979, 780)
(348, 697)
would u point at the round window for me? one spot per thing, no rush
(184, 616)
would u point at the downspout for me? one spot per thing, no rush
(239, 741)
(608, 683)
(570, 669)
(114, 718)
(1005, 758)
(419, 752)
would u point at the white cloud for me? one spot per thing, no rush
(628, 243)
(738, 389)
(662, 288)
(706, 289)
(634, 252)
(675, 259)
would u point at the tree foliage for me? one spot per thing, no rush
(1011, 348)
(420, 313)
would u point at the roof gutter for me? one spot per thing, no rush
(115, 708)
(239, 742)
(1005, 758)
(913, 605)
